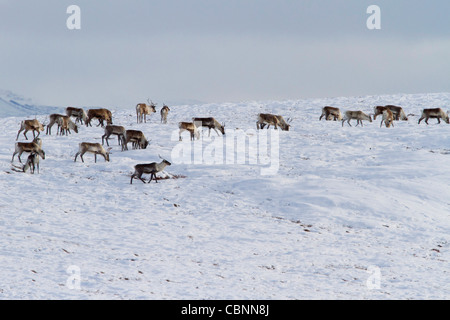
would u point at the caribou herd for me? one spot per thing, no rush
(65, 125)
(389, 113)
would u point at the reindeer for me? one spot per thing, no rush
(101, 115)
(54, 118)
(398, 112)
(285, 125)
(137, 138)
(142, 110)
(32, 163)
(271, 119)
(30, 125)
(151, 168)
(79, 114)
(436, 113)
(358, 115)
(95, 148)
(331, 113)
(164, 112)
(388, 118)
(209, 123)
(119, 131)
(191, 127)
(66, 125)
(377, 111)
(30, 147)
(266, 118)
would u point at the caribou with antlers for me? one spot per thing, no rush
(142, 110)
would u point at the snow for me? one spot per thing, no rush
(350, 212)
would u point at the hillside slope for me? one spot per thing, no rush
(13, 105)
(346, 213)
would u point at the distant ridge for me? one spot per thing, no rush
(14, 105)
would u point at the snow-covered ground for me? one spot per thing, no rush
(347, 213)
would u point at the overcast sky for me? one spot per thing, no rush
(178, 51)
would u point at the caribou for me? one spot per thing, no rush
(357, 115)
(388, 118)
(138, 139)
(119, 131)
(398, 112)
(95, 148)
(54, 118)
(331, 113)
(209, 123)
(151, 168)
(79, 114)
(101, 115)
(164, 112)
(188, 126)
(65, 124)
(435, 113)
(30, 125)
(30, 147)
(32, 163)
(142, 110)
(271, 119)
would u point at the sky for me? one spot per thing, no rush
(188, 51)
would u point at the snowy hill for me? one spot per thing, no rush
(343, 212)
(13, 105)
